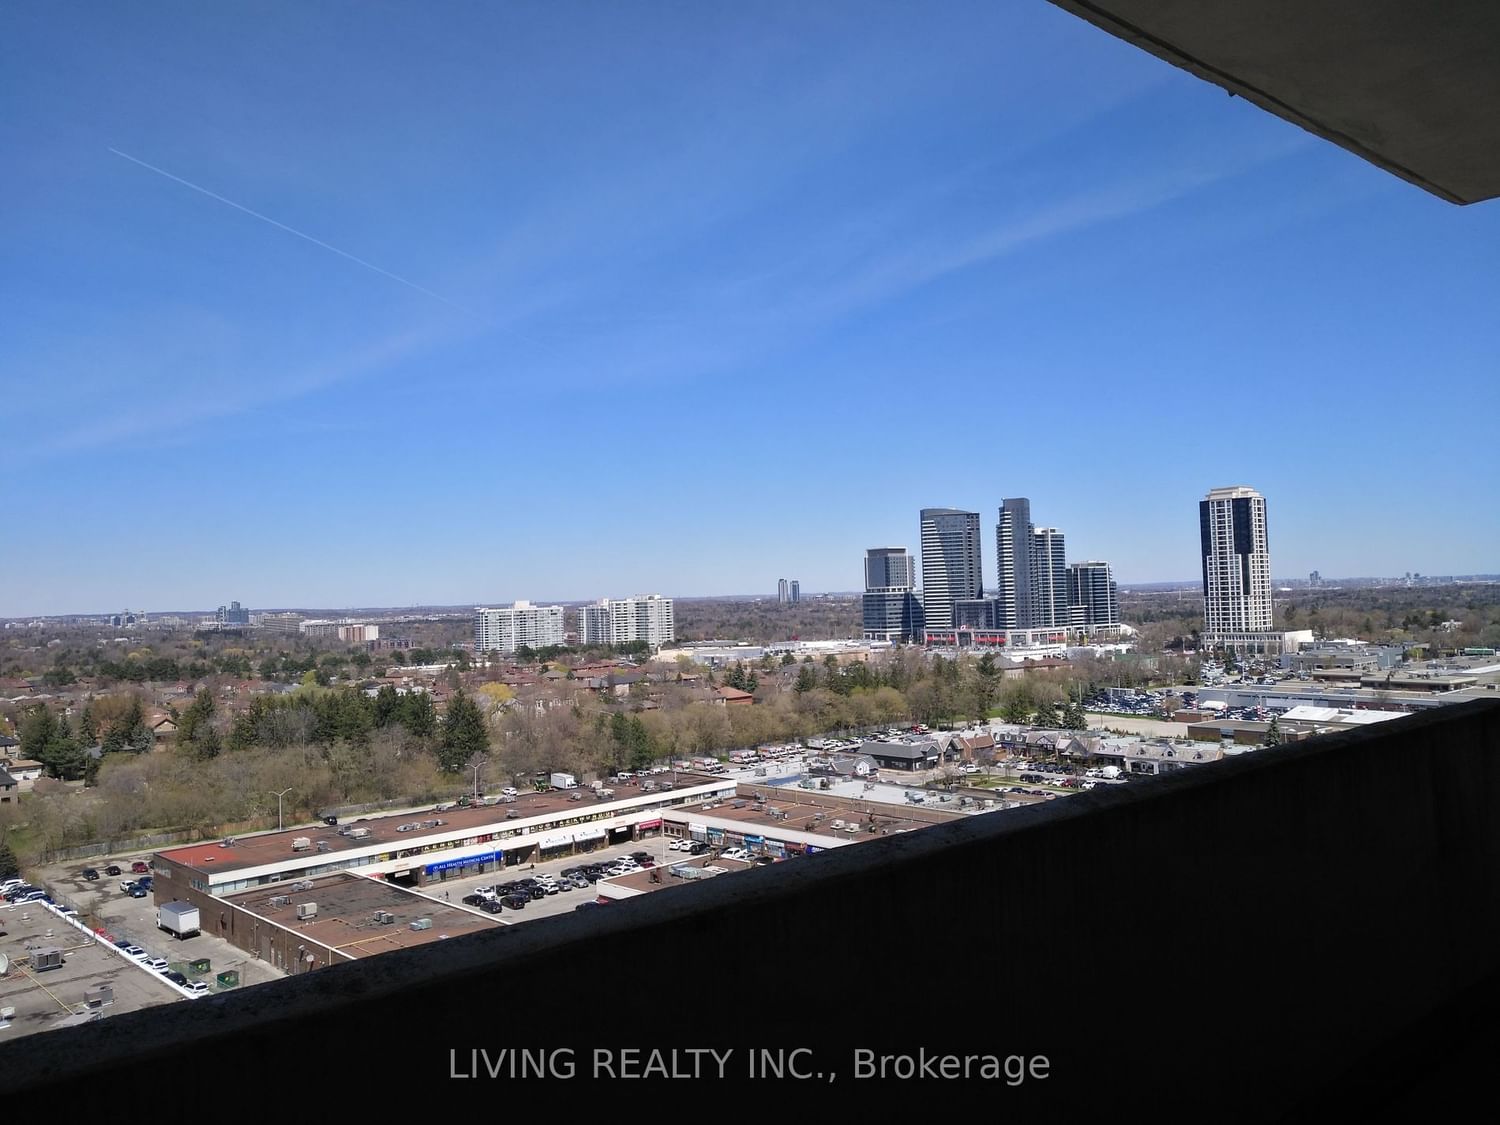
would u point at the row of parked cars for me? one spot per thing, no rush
(159, 965)
(20, 891)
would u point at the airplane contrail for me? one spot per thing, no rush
(291, 230)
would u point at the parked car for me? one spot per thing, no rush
(516, 902)
(37, 895)
(474, 900)
(508, 791)
(156, 964)
(763, 860)
(175, 977)
(197, 987)
(140, 867)
(127, 885)
(133, 951)
(138, 891)
(90, 874)
(490, 906)
(112, 869)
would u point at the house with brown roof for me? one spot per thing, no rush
(732, 697)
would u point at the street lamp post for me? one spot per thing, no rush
(279, 796)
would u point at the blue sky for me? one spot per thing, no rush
(690, 297)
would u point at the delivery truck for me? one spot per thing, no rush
(180, 919)
(564, 781)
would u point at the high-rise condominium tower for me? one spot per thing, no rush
(1236, 570)
(1093, 597)
(1013, 552)
(1049, 578)
(890, 608)
(616, 621)
(951, 570)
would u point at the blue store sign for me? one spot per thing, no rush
(467, 861)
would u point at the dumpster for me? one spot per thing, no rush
(229, 978)
(199, 966)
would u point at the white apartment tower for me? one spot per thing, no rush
(1049, 578)
(1236, 570)
(616, 621)
(505, 630)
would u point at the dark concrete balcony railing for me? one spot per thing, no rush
(1288, 932)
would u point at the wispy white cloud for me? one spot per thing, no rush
(198, 405)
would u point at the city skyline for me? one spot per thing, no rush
(247, 332)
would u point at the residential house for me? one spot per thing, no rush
(732, 697)
(9, 788)
(24, 770)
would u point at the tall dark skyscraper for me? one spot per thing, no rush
(951, 567)
(1013, 550)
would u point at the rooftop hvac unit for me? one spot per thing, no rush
(305, 885)
(385, 917)
(301, 843)
(307, 910)
(422, 924)
(281, 900)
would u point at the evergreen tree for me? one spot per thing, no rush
(806, 680)
(1273, 733)
(641, 754)
(1015, 710)
(463, 735)
(61, 757)
(38, 729)
(1046, 716)
(138, 736)
(418, 715)
(387, 706)
(1073, 717)
(208, 744)
(195, 720)
(10, 867)
(88, 731)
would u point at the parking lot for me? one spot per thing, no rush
(453, 890)
(103, 906)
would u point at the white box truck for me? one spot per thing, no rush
(564, 781)
(180, 919)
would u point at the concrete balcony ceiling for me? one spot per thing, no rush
(1412, 88)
